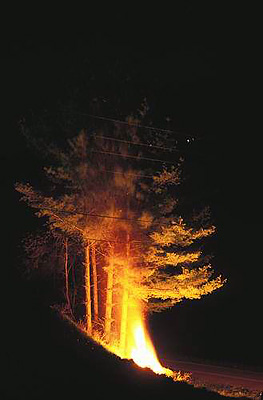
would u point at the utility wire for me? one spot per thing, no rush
(95, 215)
(171, 149)
(127, 174)
(95, 239)
(186, 135)
(135, 157)
(128, 123)
(117, 241)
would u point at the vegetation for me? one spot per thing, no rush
(107, 204)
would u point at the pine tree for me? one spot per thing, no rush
(105, 195)
(173, 267)
(87, 194)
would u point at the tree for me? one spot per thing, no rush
(104, 194)
(84, 187)
(52, 256)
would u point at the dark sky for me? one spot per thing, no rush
(194, 65)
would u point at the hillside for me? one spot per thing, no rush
(46, 357)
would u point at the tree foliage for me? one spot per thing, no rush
(103, 191)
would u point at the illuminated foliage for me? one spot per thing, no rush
(139, 253)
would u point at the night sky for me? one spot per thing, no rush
(195, 66)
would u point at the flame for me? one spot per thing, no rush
(143, 353)
(139, 345)
(126, 333)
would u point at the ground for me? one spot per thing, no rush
(46, 357)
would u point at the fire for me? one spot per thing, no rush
(139, 346)
(143, 352)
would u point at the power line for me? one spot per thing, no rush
(128, 123)
(135, 157)
(188, 136)
(96, 239)
(96, 215)
(138, 126)
(135, 143)
(127, 174)
(117, 241)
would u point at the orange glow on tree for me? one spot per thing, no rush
(139, 255)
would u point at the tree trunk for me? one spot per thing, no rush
(109, 296)
(88, 290)
(66, 277)
(125, 300)
(95, 283)
(73, 284)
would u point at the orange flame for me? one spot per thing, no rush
(143, 353)
(139, 346)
